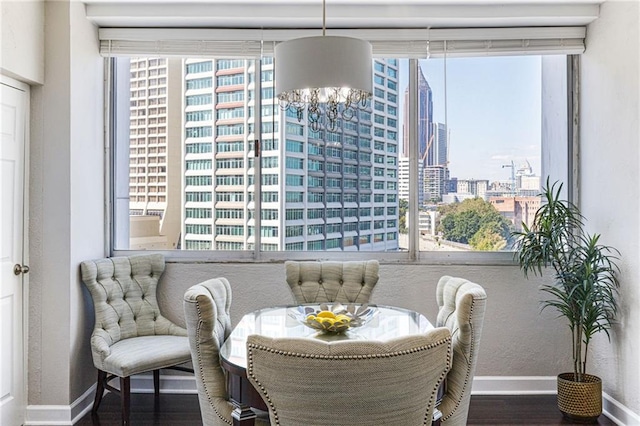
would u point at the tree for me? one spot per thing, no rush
(402, 211)
(475, 222)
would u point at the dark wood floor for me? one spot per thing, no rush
(183, 410)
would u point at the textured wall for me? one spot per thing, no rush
(609, 176)
(66, 203)
(22, 39)
(517, 339)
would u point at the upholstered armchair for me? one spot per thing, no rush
(130, 335)
(206, 311)
(313, 382)
(329, 281)
(461, 306)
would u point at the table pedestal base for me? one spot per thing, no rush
(242, 415)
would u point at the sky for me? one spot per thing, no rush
(493, 111)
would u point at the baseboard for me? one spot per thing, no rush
(617, 412)
(514, 385)
(63, 415)
(143, 383)
(67, 415)
(541, 385)
(53, 415)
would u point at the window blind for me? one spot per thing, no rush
(409, 43)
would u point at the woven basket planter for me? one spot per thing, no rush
(580, 401)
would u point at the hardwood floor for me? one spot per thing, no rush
(183, 410)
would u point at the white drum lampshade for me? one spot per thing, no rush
(325, 69)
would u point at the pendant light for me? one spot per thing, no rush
(326, 76)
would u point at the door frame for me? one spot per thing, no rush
(8, 81)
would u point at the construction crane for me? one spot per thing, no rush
(426, 151)
(513, 177)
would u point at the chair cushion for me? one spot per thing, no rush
(146, 353)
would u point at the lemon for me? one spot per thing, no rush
(327, 322)
(326, 314)
(311, 317)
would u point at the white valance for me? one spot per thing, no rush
(407, 43)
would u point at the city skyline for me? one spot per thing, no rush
(493, 112)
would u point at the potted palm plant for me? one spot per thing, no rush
(583, 291)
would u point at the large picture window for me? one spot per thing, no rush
(476, 130)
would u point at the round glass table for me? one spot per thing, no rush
(388, 323)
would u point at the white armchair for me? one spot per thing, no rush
(461, 309)
(130, 335)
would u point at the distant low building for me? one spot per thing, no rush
(456, 197)
(427, 221)
(517, 209)
(477, 187)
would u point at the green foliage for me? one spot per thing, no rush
(402, 210)
(586, 284)
(488, 238)
(475, 222)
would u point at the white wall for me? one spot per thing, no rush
(517, 340)
(67, 204)
(610, 177)
(23, 40)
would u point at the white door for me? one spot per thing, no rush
(13, 270)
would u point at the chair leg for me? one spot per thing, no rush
(102, 376)
(125, 397)
(156, 382)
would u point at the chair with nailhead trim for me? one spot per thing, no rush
(332, 281)
(130, 335)
(206, 313)
(312, 382)
(461, 306)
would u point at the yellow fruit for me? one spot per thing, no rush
(326, 314)
(327, 321)
(343, 317)
(311, 317)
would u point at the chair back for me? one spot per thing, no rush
(313, 382)
(206, 311)
(330, 281)
(461, 306)
(123, 290)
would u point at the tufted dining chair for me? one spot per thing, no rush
(130, 335)
(206, 312)
(313, 382)
(332, 281)
(461, 306)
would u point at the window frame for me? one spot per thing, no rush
(413, 255)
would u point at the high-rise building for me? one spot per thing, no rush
(435, 178)
(436, 167)
(403, 180)
(154, 156)
(425, 118)
(329, 190)
(438, 149)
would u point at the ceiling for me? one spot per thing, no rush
(276, 14)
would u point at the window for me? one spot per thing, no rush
(483, 154)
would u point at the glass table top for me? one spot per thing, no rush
(389, 323)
